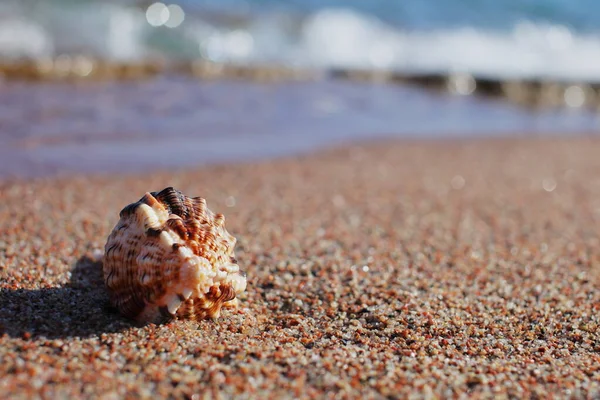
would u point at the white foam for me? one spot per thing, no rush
(105, 30)
(22, 38)
(345, 38)
(348, 39)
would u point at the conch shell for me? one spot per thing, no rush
(170, 257)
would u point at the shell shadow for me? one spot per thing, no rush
(80, 308)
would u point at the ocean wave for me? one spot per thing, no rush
(327, 38)
(346, 39)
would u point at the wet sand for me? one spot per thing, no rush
(438, 269)
(51, 128)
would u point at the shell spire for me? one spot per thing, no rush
(168, 257)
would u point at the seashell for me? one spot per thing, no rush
(168, 257)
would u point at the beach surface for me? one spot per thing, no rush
(442, 269)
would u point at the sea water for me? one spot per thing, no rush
(48, 128)
(495, 38)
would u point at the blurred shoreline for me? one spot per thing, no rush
(534, 93)
(118, 86)
(50, 128)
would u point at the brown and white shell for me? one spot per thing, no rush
(169, 257)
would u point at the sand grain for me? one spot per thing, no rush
(433, 269)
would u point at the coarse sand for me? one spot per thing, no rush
(433, 269)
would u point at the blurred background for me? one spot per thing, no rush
(125, 85)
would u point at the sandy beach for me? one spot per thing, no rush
(446, 269)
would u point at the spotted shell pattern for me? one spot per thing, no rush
(168, 257)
